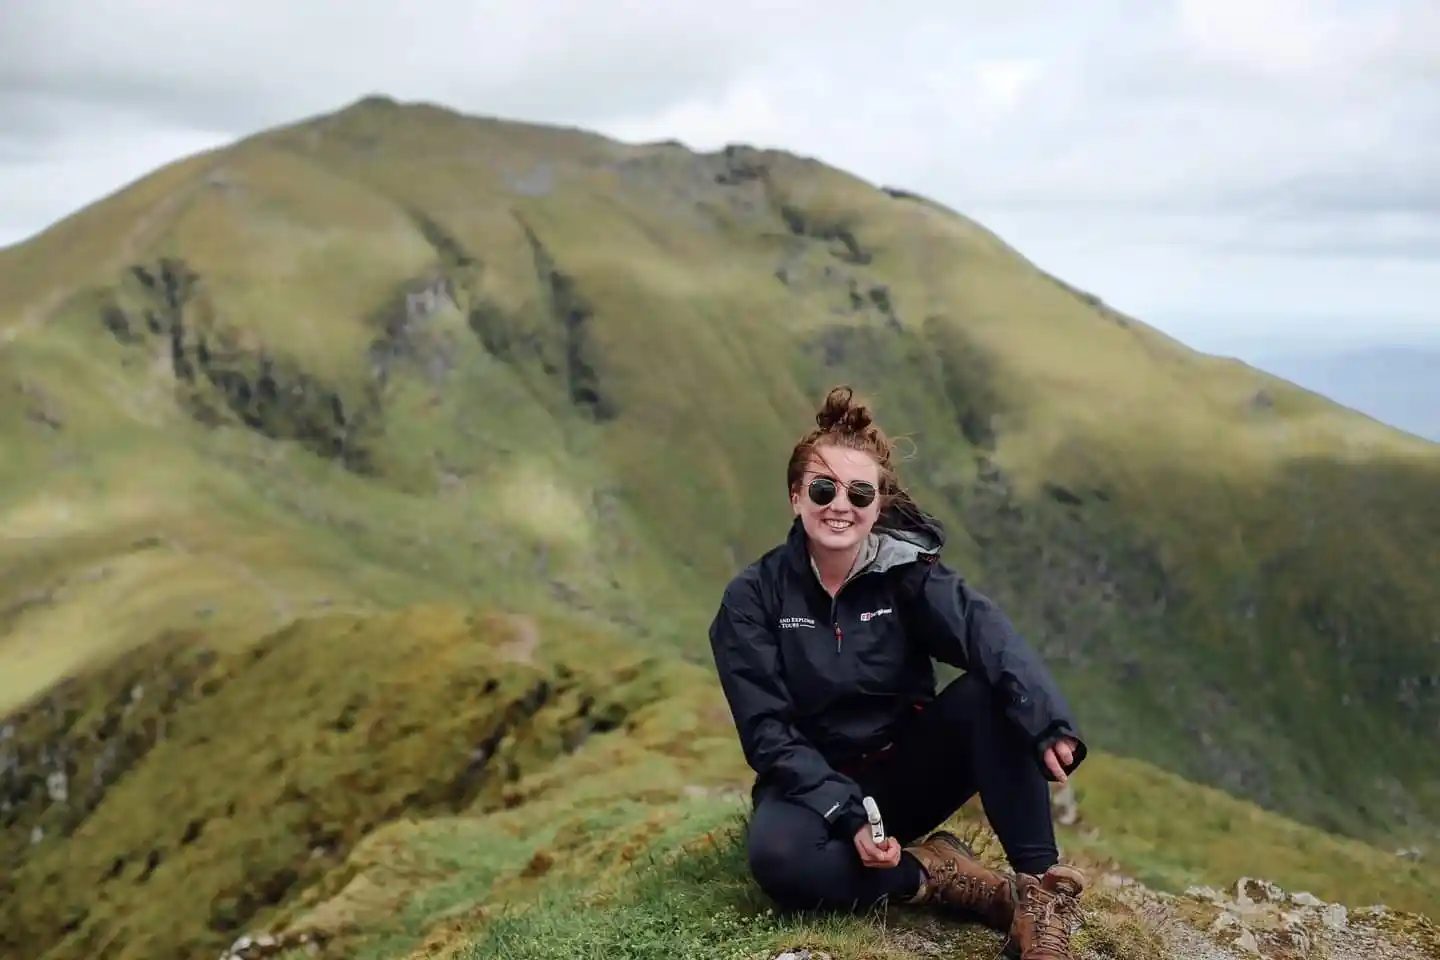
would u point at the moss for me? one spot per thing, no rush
(1115, 931)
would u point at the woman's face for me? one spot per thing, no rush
(836, 475)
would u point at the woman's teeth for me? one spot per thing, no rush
(837, 524)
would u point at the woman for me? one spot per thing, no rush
(823, 648)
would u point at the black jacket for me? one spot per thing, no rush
(813, 683)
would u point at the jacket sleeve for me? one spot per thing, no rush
(746, 655)
(964, 628)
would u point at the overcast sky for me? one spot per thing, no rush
(1208, 165)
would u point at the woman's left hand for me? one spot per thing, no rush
(1059, 756)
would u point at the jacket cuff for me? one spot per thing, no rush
(848, 820)
(1053, 735)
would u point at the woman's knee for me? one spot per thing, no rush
(967, 699)
(791, 866)
(971, 711)
(782, 868)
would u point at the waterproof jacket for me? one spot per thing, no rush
(815, 683)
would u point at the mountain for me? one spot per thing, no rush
(1399, 385)
(368, 485)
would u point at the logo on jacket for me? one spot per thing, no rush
(869, 615)
(795, 623)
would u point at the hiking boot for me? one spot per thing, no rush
(1046, 912)
(954, 878)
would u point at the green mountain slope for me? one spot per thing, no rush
(395, 355)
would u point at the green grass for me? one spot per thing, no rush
(696, 902)
(691, 906)
(1236, 589)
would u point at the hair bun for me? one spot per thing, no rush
(844, 422)
(841, 412)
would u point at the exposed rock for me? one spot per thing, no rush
(580, 364)
(539, 181)
(220, 377)
(41, 409)
(836, 232)
(268, 945)
(63, 753)
(1261, 919)
(1066, 805)
(403, 338)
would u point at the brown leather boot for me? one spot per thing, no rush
(954, 878)
(1046, 912)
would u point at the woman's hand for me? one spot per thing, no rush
(883, 856)
(1059, 756)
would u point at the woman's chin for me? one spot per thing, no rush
(836, 541)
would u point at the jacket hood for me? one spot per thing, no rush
(904, 520)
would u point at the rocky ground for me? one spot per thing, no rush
(1257, 918)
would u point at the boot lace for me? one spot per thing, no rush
(970, 890)
(1052, 914)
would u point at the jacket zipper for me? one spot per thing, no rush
(835, 603)
(835, 610)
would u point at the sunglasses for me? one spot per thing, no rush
(824, 489)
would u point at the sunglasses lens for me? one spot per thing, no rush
(862, 494)
(822, 490)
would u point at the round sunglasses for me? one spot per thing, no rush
(822, 490)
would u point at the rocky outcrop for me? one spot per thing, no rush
(60, 755)
(573, 315)
(406, 339)
(270, 945)
(222, 375)
(1258, 918)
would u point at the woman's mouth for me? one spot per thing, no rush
(838, 524)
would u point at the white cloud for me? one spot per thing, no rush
(1206, 164)
(1003, 84)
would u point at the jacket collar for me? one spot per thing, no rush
(897, 539)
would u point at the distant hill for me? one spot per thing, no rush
(1399, 385)
(266, 411)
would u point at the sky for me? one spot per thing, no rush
(1248, 176)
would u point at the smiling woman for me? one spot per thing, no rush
(824, 649)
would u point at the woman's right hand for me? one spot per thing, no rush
(882, 856)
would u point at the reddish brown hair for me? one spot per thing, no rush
(843, 421)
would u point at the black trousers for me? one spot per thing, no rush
(960, 745)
